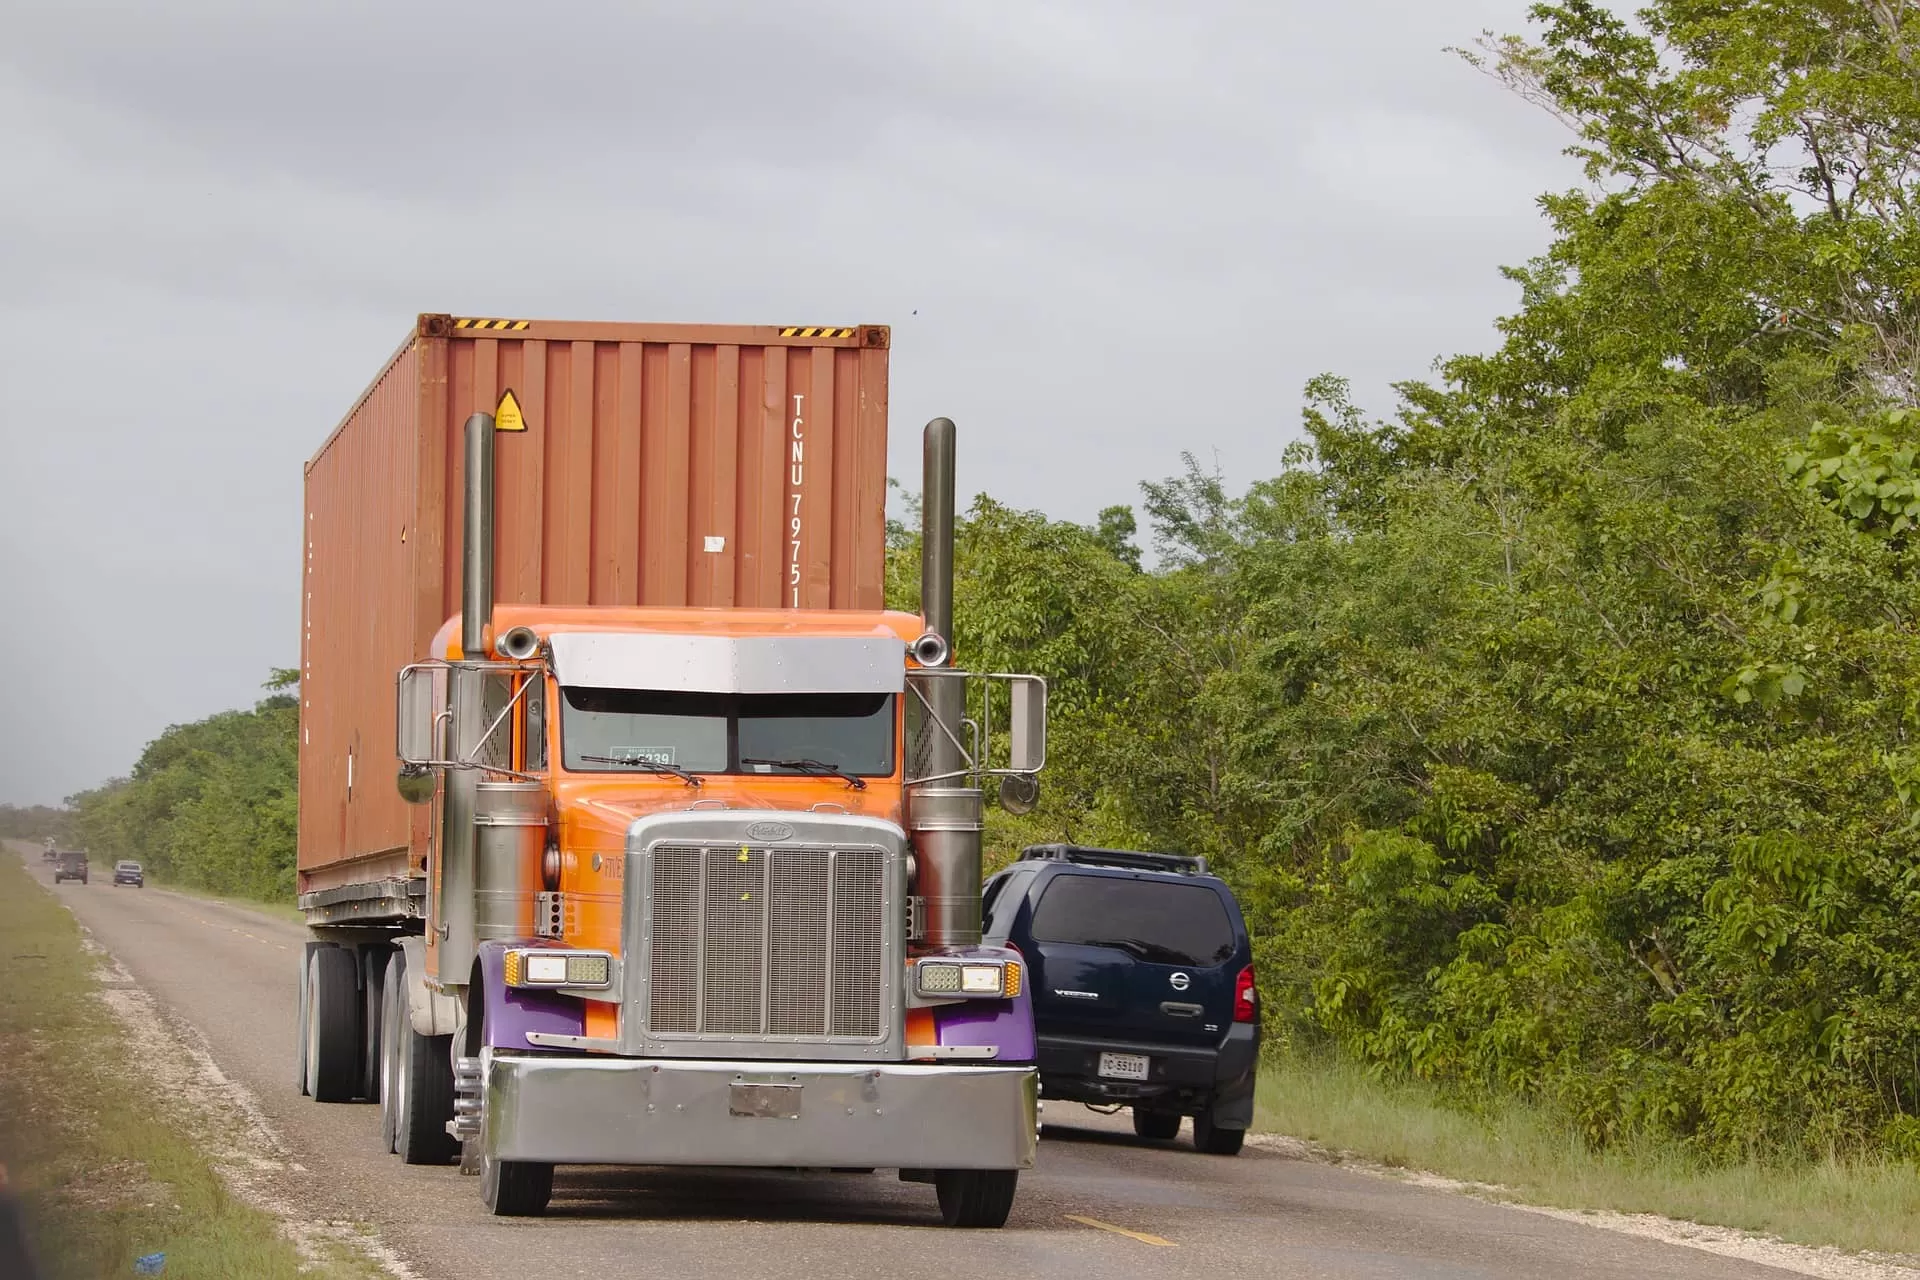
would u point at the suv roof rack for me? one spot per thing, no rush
(1130, 858)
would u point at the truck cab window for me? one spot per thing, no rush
(536, 742)
(497, 751)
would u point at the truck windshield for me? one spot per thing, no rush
(795, 734)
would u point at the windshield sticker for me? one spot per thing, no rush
(652, 755)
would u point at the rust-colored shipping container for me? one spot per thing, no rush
(695, 465)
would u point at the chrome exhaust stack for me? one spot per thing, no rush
(459, 849)
(945, 815)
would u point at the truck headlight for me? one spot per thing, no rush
(543, 967)
(967, 978)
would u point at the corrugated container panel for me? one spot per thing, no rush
(698, 465)
(358, 620)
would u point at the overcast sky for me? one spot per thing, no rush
(1104, 232)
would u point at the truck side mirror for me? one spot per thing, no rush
(416, 716)
(1027, 735)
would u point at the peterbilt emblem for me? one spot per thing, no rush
(1180, 981)
(596, 862)
(769, 832)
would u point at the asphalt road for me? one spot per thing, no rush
(1099, 1204)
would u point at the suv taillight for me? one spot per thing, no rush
(1243, 996)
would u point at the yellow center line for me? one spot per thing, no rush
(243, 933)
(1141, 1236)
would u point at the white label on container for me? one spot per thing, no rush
(716, 544)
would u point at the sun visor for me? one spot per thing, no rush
(730, 664)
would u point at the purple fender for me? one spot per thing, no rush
(1007, 1025)
(511, 1012)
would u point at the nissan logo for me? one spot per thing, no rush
(1180, 981)
(769, 832)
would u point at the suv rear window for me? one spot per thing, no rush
(1153, 920)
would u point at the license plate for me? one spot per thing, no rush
(1124, 1066)
(765, 1101)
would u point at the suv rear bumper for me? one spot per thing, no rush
(676, 1111)
(1183, 1077)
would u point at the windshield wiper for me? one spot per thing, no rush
(651, 766)
(808, 765)
(1151, 952)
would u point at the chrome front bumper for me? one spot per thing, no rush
(604, 1110)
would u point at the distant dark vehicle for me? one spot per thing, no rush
(72, 866)
(129, 873)
(49, 854)
(1143, 990)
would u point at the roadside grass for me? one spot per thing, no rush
(105, 1171)
(1526, 1156)
(278, 910)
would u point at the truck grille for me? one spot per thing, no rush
(767, 942)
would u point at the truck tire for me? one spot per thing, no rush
(300, 1024)
(1212, 1140)
(333, 1025)
(418, 1094)
(1156, 1126)
(976, 1197)
(392, 997)
(373, 1019)
(515, 1188)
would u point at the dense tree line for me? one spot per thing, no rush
(32, 822)
(1557, 730)
(210, 804)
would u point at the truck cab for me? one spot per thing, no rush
(695, 878)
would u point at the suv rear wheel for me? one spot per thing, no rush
(1213, 1140)
(1156, 1126)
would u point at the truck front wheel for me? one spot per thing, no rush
(416, 1088)
(976, 1197)
(515, 1188)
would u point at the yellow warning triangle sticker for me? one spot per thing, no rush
(507, 415)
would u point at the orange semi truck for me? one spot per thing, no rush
(633, 828)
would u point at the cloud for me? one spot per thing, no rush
(1104, 233)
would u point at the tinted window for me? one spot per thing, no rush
(1153, 920)
(1002, 903)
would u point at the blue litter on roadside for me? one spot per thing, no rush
(151, 1265)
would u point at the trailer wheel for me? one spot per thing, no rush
(375, 961)
(300, 1023)
(417, 1094)
(333, 1025)
(515, 1188)
(976, 1197)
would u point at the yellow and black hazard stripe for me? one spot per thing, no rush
(797, 331)
(513, 325)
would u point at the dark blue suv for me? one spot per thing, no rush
(1142, 980)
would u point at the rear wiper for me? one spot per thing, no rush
(1150, 952)
(806, 765)
(651, 766)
